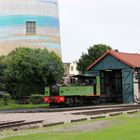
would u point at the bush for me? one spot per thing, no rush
(1, 102)
(23, 100)
(5, 99)
(36, 99)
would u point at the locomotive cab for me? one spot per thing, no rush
(54, 90)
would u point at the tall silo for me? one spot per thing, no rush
(29, 23)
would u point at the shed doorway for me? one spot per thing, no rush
(111, 86)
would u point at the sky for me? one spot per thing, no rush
(84, 23)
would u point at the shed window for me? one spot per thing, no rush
(30, 27)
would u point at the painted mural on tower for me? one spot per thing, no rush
(29, 23)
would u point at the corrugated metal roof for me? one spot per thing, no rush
(130, 59)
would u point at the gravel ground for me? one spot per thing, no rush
(86, 127)
(47, 117)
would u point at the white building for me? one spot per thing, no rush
(69, 71)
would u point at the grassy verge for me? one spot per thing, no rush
(128, 128)
(12, 106)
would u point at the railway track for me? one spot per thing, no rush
(108, 110)
(15, 125)
(88, 112)
(56, 109)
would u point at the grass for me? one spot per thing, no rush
(128, 128)
(12, 106)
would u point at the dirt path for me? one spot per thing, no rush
(86, 127)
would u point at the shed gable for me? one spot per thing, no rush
(109, 62)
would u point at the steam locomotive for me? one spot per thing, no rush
(71, 95)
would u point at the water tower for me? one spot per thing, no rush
(29, 23)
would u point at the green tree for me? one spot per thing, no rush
(28, 71)
(2, 67)
(92, 54)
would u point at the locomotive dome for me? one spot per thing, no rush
(29, 23)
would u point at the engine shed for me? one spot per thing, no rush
(119, 75)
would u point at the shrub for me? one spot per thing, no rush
(1, 101)
(23, 100)
(36, 99)
(5, 98)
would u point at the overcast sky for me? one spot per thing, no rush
(87, 22)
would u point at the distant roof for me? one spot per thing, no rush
(66, 63)
(130, 59)
(82, 75)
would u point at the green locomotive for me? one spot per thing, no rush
(73, 95)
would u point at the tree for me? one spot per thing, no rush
(2, 67)
(28, 71)
(92, 54)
